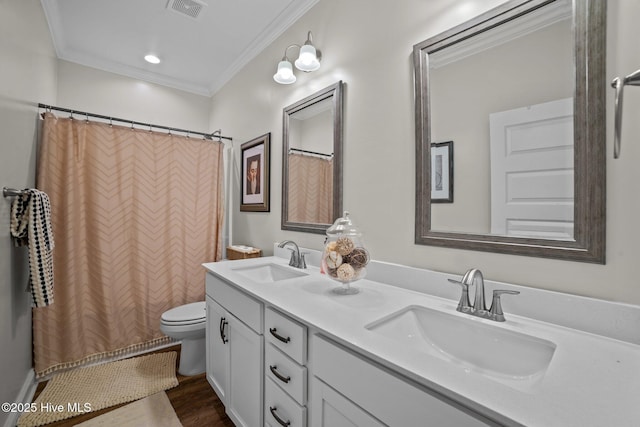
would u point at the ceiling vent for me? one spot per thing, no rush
(190, 8)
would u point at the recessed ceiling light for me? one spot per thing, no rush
(152, 59)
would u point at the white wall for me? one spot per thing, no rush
(100, 92)
(368, 45)
(27, 76)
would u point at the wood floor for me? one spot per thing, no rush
(195, 402)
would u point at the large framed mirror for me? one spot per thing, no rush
(520, 93)
(312, 161)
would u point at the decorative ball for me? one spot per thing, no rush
(344, 246)
(331, 246)
(346, 273)
(333, 272)
(333, 259)
(358, 258)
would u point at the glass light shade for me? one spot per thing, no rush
(285, 74)
(308, 60)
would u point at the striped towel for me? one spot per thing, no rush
(31, 226)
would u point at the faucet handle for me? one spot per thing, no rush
(495, 312)
(293, 261)
(464, 305)
(302, 261)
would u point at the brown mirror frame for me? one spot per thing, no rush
(589, 18)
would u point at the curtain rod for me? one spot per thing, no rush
(215, 134)
(311, 152)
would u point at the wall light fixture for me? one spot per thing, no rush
(308, 60)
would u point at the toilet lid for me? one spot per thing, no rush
(193, 311)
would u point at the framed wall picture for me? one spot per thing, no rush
(255, 178)
(442, 172)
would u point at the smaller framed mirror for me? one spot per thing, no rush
(312, 161)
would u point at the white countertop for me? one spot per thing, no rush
(591, 380)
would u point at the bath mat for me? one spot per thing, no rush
(152, 411)
(97, 387)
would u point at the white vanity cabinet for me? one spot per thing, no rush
(283, 349)
(348, 390)
(285, 371)
(235, 346)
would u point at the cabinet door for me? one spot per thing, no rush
(217, 345)
(331, 409)
(245, 396)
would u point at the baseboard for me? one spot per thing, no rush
(24, 396)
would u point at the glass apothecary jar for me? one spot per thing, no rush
(344, 258)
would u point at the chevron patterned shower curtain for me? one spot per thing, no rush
(134, 214)
(310, 189)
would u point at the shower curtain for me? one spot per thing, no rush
(310, 189)
(134, 214)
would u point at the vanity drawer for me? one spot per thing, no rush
(235, 302)
(290, 376)
(286, 334)
(280, 409)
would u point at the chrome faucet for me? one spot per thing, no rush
(297, 259)
(478, 302)
(479, 307)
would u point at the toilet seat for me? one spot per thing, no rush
(188, 314)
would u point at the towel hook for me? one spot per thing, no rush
(618, 84)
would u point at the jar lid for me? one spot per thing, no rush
(343, 227)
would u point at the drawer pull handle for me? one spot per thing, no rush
(274, 371)
(278, 336)
(280, 421)
(223, 323)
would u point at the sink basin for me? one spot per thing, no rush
(268, 273)
(473, 343)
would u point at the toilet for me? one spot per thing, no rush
(187, 323)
